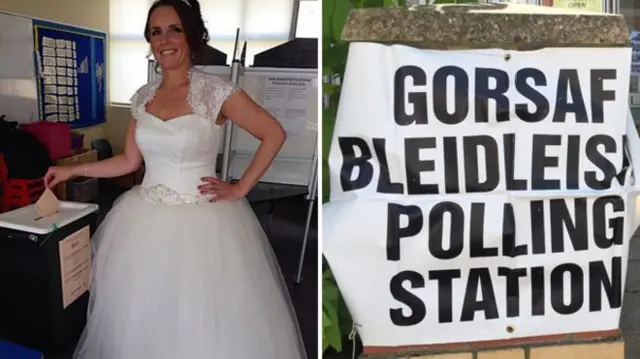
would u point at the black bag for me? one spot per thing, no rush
(24, 155)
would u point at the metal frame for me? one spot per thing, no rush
(228, 127)
(311, 197)
(294, 19)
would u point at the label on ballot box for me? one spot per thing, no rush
(75, 265)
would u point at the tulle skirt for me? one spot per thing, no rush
(186, 282)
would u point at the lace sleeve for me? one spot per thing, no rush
(208, 93)
(135, 103)
(141, 97)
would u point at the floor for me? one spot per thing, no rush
(286, 233)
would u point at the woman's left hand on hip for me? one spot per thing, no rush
(219, 190)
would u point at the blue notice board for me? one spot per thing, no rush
(71, 74)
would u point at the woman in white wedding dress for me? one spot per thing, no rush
(182, 268)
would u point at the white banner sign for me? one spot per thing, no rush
(481, 195)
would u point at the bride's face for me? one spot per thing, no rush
(168, 40)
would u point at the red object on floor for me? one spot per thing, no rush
(55, 137)
(4, 172)
(19, 193)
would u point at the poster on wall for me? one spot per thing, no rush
(474, 199)
(71, 74)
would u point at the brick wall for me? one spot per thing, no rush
(608, 348)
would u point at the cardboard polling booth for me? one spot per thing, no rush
(45, 273)
(494, 161)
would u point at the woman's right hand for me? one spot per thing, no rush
(57, 174)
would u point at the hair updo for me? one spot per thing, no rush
(192, 23)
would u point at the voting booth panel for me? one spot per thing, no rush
(45, 275)
(291, 96)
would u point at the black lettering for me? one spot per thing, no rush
(509, 247)
(484, 92)
(512, 286)
(599, 279)
(415, 166)
(509, 150)
(451, 175)
(417, 100)
(350, 162)
(537, 291)
(601, 224)
(537, 99)
(560, 219)
(384, 180)
(573, 162)
(471, 169)
(538, 245)
(461, 95)
(476, 232)
(402, 295)
(540, 161)
(569, 90)
(395, 232)
(479, 278)
(436, 237)
(576, 293)
(592, 152)
(445, 292)
(598, 94)
(622, 175)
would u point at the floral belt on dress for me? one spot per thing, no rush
(162, 194)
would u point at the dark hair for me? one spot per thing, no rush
(192, 23)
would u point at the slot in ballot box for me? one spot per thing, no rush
(45, 275)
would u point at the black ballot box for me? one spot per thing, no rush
(45, 275)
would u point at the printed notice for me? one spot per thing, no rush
(75, 265)
(288, 99)
(589, 5)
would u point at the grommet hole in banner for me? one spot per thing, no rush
(510, 329)
(507, 57)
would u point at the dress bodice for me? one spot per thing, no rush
(180, 151)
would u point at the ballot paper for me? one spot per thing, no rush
(48, 204)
